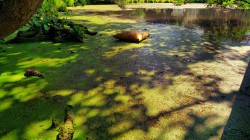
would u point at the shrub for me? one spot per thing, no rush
(69, 3)
(121, 3)
(227, 3)
(189, 1)
(141, 1)
(80, 2)
(244, 4)
(49, 8)
(62, 8)
(178, 2)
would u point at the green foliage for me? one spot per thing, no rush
(188, 1)
(88, 1)
(222, 3)
(53, 6)
(62, 8)
(49, 8)
(200, 1)
(70, 3)
(214, 2)
(178, 2)
(78, 30)
(45, 23)
(227, 3)
(80, 2)
(244, 4)
(121, 3)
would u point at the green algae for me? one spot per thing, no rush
(120, 90)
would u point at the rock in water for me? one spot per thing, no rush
(132, 36)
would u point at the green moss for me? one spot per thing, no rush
(118, 90)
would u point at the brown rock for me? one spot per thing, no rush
(132, 36)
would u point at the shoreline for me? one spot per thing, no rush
(168, 5)
(114, 7)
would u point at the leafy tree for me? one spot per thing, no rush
(46, 25)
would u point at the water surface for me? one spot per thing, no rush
(218, 23)
(178, 84)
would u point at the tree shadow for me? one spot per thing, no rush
(165, 87)
(237, 126)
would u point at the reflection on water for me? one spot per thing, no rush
(217, 23)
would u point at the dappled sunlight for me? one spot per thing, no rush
(26, 93)
(97, 7)
(173, 85)
(5, 104)
(62, 92)
(10, 77)
(54, 62)
(123, 47)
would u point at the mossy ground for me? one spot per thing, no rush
(174, 85)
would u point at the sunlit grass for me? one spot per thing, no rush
(119, 90)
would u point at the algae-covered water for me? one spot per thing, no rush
(180, 83)
(218, 23)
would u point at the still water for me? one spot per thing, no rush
(218, 23)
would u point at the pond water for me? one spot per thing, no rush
(177, 84)
(219, 23)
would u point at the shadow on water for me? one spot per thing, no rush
(218, 23)
(169, 86)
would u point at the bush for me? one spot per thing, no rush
(141, 1)
(121, 3)
(227, 3)
(62, 8)
(200, 1)
(188, 1)
(80, 2)
(178, 2)
(70, 3)
(244, 4)
(88, 1)
(49, 8)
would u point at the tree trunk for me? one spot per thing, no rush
(16, 13)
